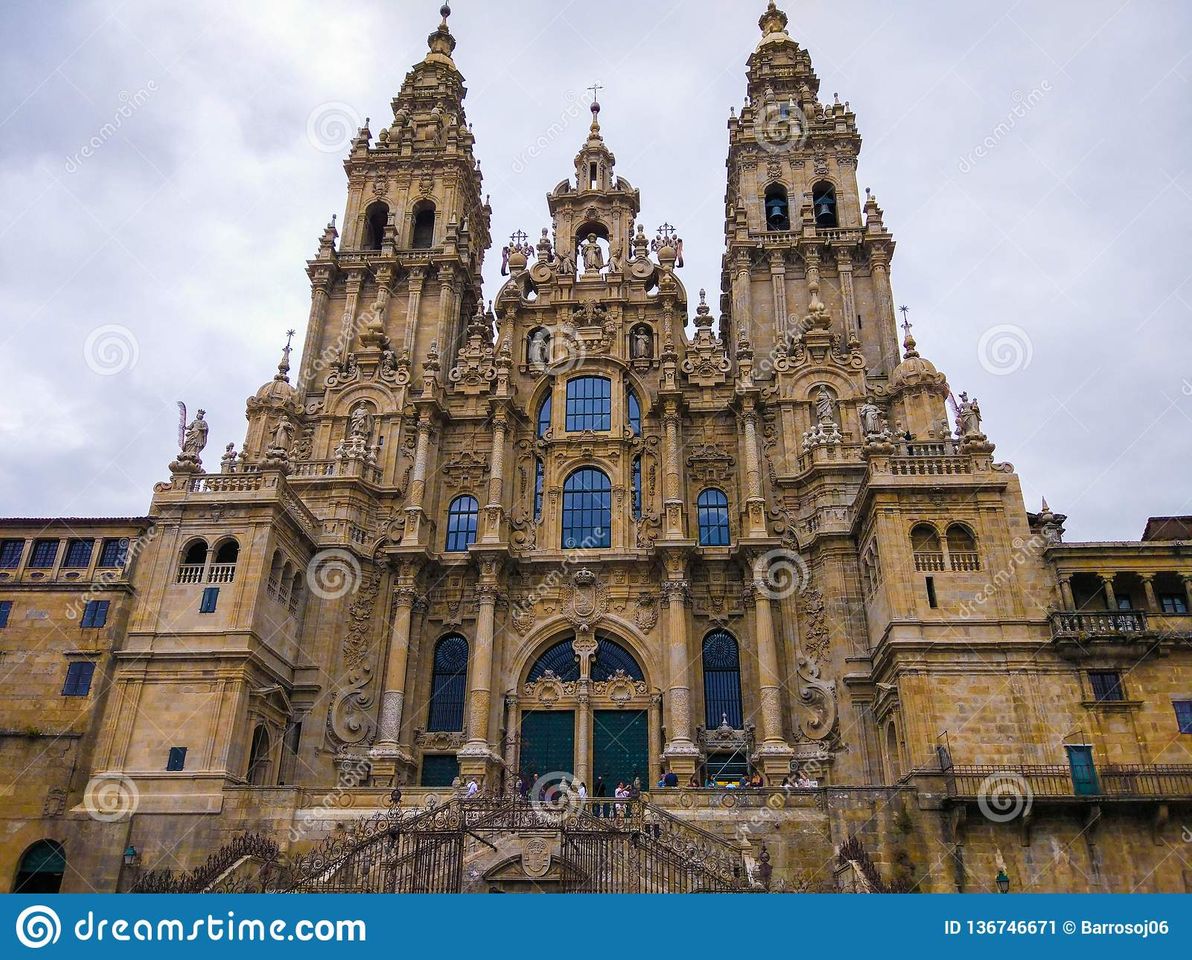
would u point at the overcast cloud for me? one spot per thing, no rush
(157, 177)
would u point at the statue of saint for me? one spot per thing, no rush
(593, 255)
(642, 345)
(871, 419)
(196, 436)
(825, 406)
(283, 435)
(360, 423)
(539, 353)
(564, 264)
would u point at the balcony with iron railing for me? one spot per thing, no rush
(1162, 782)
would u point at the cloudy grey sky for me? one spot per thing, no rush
(160, 190)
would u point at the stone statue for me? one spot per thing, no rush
(539, 353)
(871, 419)
(825, 406)
(968, 417)
(283, 435)
(196, 436)
(642, 346)
(593, 255)
(615, 258)
(228, 460)
(360, 423)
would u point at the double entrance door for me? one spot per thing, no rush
(620, 747)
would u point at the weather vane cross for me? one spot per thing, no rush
(906, 323)
(595, 88)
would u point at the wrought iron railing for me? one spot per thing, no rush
(1054, 781)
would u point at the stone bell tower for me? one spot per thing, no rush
(796, 228)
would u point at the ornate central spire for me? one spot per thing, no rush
(773, 21)
(441, 42)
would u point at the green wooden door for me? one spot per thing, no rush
(1084, 771)
(622, 747)
(547, 743)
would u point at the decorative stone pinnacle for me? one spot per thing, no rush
(773, 20)
(283, 368)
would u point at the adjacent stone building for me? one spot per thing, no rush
(600, 530)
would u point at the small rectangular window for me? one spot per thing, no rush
(1107, 686)
(95, 614)
(210, 598)
(176, 760)
(5, 610)
(45, 552)
(10, 553)
(931, 600)
(1125, 603)
(78, 553)
(78, 678)
(114, 553)
(1183, 715)
(1173, 603)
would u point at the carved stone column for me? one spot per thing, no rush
(417, 275)
(848, 298)
(673, 491)
(681, 753)
(774, 753)
(1066, 593)
(418, 480)
(778, 284)
(1110, 596)
(476, 757)
(1148, 586)
(347, 331)
(494, 510)
(887, 326)
(583, 736)
(755, 503)
(390, 762)
(319, 297)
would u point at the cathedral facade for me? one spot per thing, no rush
(741, 551)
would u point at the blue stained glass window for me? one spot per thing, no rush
(544, 416)
(462, 517)
(587, 510)
(589, 404)
(635, 412)
(449, 686)
(712, 507)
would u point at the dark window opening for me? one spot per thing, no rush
(931, 600)
(423, 237)
(634, 412)
(722, 680)
(1173, 603)
(114, 553)
(45, 552)
(78, 553)
(544, 416)
(637, 488)
(176, 760)
(1183, 715)
(712, 510)
(1107, 686)
(539, 476)
(376, 219)
(5, 611)
(592, 178)
(210, 599)
(823, 201)
(41, 869)
(438, 770)
(589, 404)
(778, 216)
(10, 553)
(449, 685)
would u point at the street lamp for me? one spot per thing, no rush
(1003, 882)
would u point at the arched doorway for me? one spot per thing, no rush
(41, 868)
(585, 715)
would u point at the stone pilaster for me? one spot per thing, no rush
(774, 753)
(494, 510)
(414, 513)
(477, 757)
(681, 753)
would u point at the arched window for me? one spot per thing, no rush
(778, 211)
(296, 592)
(273, 584)
(559, 659)
(544, 416)
(962, 548)
(223, 568)
(722, 680)
(633, 412)
(589, 404)
(41, 868)
(925, 545)
(375, 221)
(712, 508)
(587, 510)
(423, 234)
(823, 202)
(194, 561)
(611, 657)
(449, 684)
(461, 523)
(637, 488)
(259, 762)
(539, 476)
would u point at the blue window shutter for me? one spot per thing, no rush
(5, 610)
(78, 678)
(177, 759)
(210, 598)
(95, 614)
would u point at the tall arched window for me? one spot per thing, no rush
(461, 523)
(194, 562)
(223, 568)
(587, 510)
(544, 416)
(539, 479)
(633, 412)
(637, 488)
(589, 404)
(259, 761)
(712, 507)
(778, 215)
(375, 220)
(962, 548)
(925, 545)
(722, 680)
(41, 868)
(823, 201)
(449, 684)
(422, 236)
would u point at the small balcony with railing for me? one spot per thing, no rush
(1121, 610)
